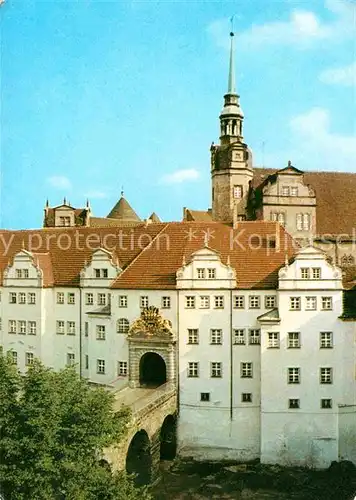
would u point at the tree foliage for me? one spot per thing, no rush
(53, 429)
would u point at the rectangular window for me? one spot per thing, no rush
(294, 191)
(86, 329)
(29, 358)
(71, 298)
(204, 302)
(104, 273)
(300, 222)
(293, 340)
(306, 222)
(12, 326)
(100, 332)
(32, 328)
(326, 340)
(211, 273)
(326, 375)
(70, 359)
(193, 336)
(166, 302)
(22, 298)
(239, 302)
(19, 273)
(239, 336)
(219, 302)
(100, 366)
(246, 397)
(193, 369)
(216, 369)
(294, 303)
(215, 336)
(326, 303)
(101, 299)
(237, 192)
(246, 369)
(270, 301)
(281, 218)
(254, 336)
(189, 302)
(22, 327)
(285, 190)
(122, 368)
(122, 300)
(326, 404)
(97, 273)
(205, 396)
(316, 273)
(294, 404)
(254, 302)
(89, 299)
(70, 327)
(310, 303)
(86, 362)
(60, 327)
(31, 298)
(60, 297)
(201, 273)
(273, 340)
(12, 298)
(144, 301)
(305, 273)
(13, 356)
(293, 375)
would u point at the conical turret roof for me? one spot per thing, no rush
(154, 217)
(123, 211)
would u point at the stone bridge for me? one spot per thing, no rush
(151, 435)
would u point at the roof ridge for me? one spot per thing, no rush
(140, 253)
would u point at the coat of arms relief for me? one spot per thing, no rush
(151, 324)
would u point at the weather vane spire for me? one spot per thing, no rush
(231, 82)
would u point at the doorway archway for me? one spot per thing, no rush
(138, 458)
(153, 371)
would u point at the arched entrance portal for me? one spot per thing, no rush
(153, 370)
(168, 438)
(138, 458)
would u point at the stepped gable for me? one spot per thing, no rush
(123, 211)
(62, 252)
(335, 198)
(156, 266)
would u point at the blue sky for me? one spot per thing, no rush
(99, 95)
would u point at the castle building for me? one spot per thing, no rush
(260, 331)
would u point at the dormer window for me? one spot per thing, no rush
(22, 273)
(316, 273)
(201, 273)
(294, 191)
(64, 221)
(211, 273)
(101, 273)
(305, 273)
(237, 192)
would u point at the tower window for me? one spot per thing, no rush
(237, 192)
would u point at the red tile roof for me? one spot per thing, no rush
(156, 266)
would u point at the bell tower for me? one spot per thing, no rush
(231, 160)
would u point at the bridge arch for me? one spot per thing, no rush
(153, 370)
(168, 438)
(139, 459)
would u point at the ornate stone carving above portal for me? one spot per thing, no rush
(151, 324)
